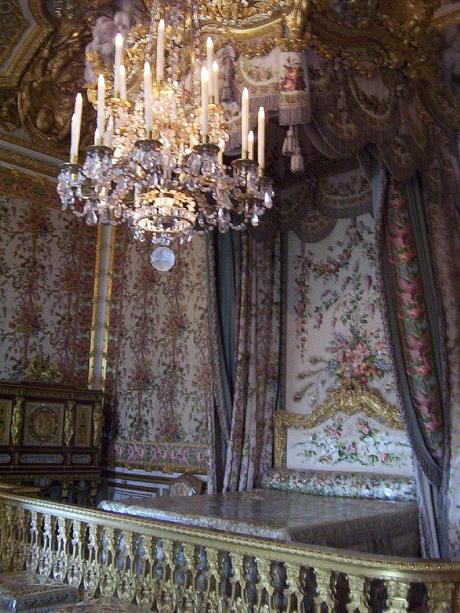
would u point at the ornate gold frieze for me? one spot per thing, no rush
(31, 31)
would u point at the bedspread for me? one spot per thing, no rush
(373, 526)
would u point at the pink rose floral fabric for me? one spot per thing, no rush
(412, 321)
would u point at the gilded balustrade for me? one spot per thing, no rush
(172, 568)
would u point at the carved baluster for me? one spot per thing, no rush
(60, 565)
(7, 537)
(357, 587)
(45, 565)
(293, 590)
(20, 547)
(397, 601)
(323, 590)
(211, 576)
(264, 585)
(237, 581)
(441, 597)
(188, 554)
(168, 594)
(147, 586)
(108, 574)
(91, 574)
(75, 571)
(32, 553)
(126, 577)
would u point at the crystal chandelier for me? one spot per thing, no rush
(157, 161)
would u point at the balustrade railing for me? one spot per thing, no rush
(172, 568)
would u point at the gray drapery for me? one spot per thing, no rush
(431, 472)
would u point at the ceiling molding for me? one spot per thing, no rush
(27, 41)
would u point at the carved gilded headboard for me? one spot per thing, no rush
(344, 400)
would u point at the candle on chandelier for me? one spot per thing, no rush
(209, 61)
(215, 82)
(261, 138)
(148, 99)
(118, 62)
(160, 50)
(101, 104)
(122, 81)
(78, 110)
(204, 100)
(74, 138)
(244, 123)
(251, 145)
(97, 137)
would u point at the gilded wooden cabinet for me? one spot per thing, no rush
(49, 434)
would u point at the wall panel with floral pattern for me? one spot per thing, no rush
(46, 279)
(336, 336)
(159, 359)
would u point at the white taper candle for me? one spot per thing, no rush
(148, 98)
(122, 79)
(204, 100)
(261, 138)
(244, 123)
(101, 104)
(78, 110)
(160, 50)
(251, 145)
(97, 136)
(74, 139)
(215, 82)
(118, 63)
(209, 61)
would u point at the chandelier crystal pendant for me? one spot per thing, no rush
(157, 160)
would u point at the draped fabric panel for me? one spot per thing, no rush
(223, 273)
(257, 364)
(415, 326)
(443, 222)
(244, 316)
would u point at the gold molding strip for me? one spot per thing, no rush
(93, 367)
(24, 162)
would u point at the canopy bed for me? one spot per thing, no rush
(360, 511)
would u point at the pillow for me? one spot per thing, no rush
(346, 485)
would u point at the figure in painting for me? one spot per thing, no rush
(293, 79)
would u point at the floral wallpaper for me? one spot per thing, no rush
(335, 336)
(47, 276)
(159, 365)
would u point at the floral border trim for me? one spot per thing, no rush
(347, 485)
(167, 457)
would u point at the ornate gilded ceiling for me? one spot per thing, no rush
(397, 42)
